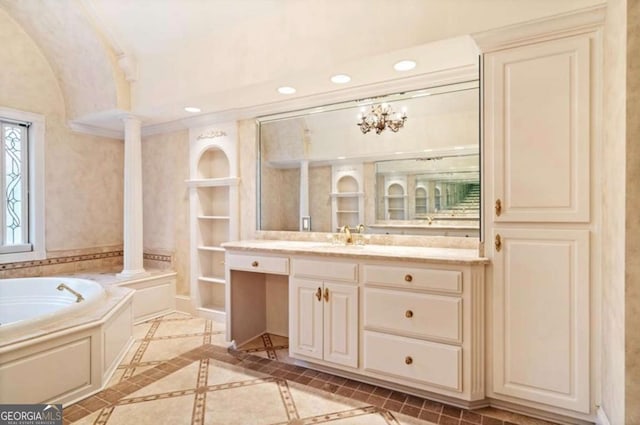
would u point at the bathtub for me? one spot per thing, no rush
(54, 349)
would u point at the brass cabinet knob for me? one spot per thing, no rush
(326, 294)
(408, 360)
(408, 314)
(255, 264)
(408, 277)
(498, 207)
(319, 294)
(498, 242)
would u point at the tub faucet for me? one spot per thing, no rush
(347, 232)
(78, 295)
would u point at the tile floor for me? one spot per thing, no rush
(179, 372)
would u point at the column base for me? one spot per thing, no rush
(133, 273)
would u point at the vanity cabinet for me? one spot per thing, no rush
(409, 318)
(423, 326)
(323, 318)
(541, 113)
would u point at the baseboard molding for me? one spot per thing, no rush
(184, 305)
(602, 418)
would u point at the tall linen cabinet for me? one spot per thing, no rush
(542, 99)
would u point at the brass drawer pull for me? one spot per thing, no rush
(326, 294)
(498, 243)
(408, 360)
(319, 294)
(408, 314)
(255, 264)
(408, 278)
(498, 207)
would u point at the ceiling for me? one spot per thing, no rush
(222, 55)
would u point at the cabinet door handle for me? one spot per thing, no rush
(255, 264)
(408, 314)
(498, 242)
(498, 207)
(319, 294)
(326, 294)
(408, 277)
(408, 360)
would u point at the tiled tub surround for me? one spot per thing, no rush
(407, 317)
(179, 371)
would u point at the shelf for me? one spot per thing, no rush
(217, 280)
(395, 196)
(395, 209)
(347, 212)
(213, 217)
(346, 194)
(224, 181)
(211, 248)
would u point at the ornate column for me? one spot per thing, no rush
(132, 197)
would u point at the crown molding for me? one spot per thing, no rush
(431, 79)
(77, 127)
(566, 24)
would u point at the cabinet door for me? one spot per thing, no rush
(541, 317)
(305, 317)
(537, 130)
(341, 324)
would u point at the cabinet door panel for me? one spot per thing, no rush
(341, 324)
(538, 130)
(305, 319)
(541, 316)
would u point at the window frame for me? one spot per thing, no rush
(36, 176)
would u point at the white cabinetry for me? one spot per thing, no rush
(323, 319)
(213, 209)
(423, 326)
(541, 119)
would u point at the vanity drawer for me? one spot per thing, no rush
(258, 263)
(449, 281)
(415, 360)
(413, 314)
(330, 270)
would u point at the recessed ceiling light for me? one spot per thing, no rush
(192, 109)
(342, 157)
(286, 90)
(340, 79)
(404, 65)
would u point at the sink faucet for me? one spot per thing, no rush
(360, 228)
(430, 219)
(78, 295)
(347, 232)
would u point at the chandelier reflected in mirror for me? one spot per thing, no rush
(380, 117)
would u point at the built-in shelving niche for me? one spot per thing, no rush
(347, 196)
(214, 200)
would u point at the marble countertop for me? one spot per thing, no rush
(366, 252)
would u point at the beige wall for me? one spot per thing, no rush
(165, 167)
(632, 258)
(84, 174)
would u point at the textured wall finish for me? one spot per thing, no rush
(83, 187)
(613, 249)
(632, 290)
(165, 167)
(82, 63)
(247, 154)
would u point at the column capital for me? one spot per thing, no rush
(130, 118)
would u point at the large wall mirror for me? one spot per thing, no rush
(319, 171)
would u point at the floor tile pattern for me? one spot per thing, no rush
(179, 371)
